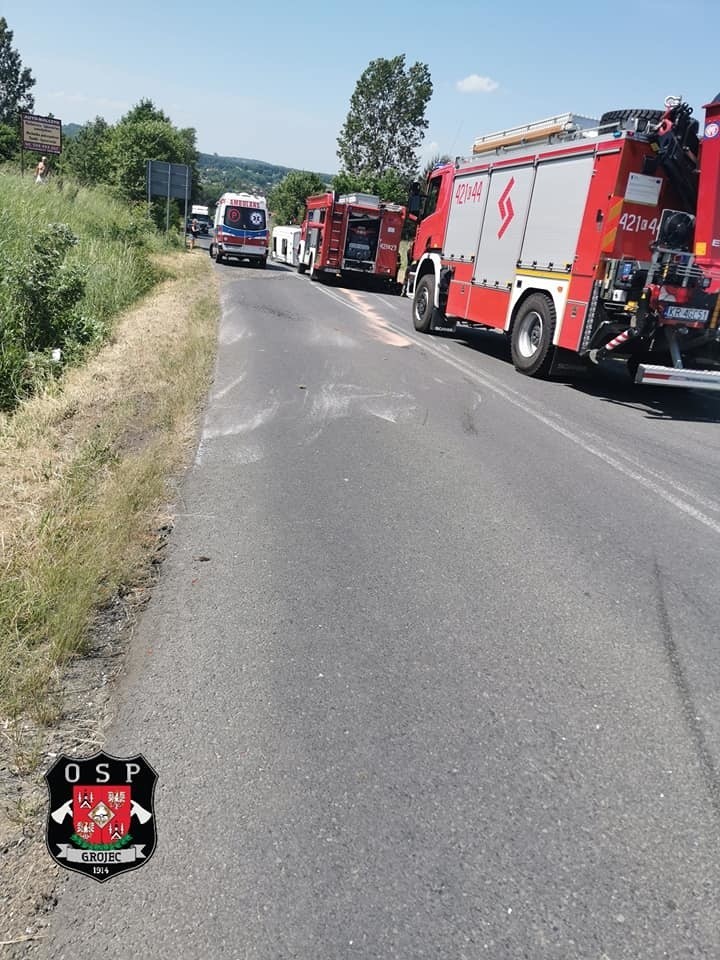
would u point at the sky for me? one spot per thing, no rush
(272, 81)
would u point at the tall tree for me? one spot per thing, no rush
(287, 199)
(433, 162)
(145, 133)
(9, 141)
(16, 81)
(390, 185)
(85, 156)
(386, 122)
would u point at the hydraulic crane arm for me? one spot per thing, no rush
(677, 145)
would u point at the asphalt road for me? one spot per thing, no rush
(447, 685)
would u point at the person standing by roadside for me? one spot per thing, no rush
(194, 231)
(41, 170)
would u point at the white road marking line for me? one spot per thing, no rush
(521, 403)
(387, 303)
(679, 487)
(378, 324)
(339, 299)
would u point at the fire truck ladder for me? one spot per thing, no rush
(336, 237)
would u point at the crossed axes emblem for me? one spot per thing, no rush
(136, 810)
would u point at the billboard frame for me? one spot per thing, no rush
(36, 146)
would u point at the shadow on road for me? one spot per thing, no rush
(612, 385)
(233, 262)
(610, 382)
(361, 282)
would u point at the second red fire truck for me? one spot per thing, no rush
(352, 235)
(582, 239)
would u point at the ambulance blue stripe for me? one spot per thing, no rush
(243, 234)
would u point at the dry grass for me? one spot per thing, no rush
(83, 474)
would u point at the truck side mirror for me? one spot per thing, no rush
(414, 204)
(415, 198)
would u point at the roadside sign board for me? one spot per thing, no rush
(168, 179)
(41, 134)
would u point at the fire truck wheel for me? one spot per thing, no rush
(301, 267)
(425, 314)
(532, 335)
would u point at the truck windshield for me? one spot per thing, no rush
(245, 218)
(432, 196)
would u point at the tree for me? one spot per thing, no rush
(85, 155)
(287, 199)
(386, 122)
(433, 162)
(9, 141)
(145, 133)
(15, 80)
(389, 186)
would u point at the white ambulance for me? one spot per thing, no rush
(240, 229)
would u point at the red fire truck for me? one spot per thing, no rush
(581, 240)
(351, 235)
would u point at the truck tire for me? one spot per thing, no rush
(425, 314)
(218, 256)
(619, 116)
(301, 267)
(531, 340)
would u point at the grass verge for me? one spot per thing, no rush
(83, 475)
(73, 257)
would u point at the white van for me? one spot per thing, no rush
(240, 229)
(285, 245)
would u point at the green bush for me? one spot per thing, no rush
(71, 257)
(42, 290)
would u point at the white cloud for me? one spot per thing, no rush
(477, 84)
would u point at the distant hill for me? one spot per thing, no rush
(218, 174)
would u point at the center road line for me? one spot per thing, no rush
(393, 306)
(706, 502)
(546, 418)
